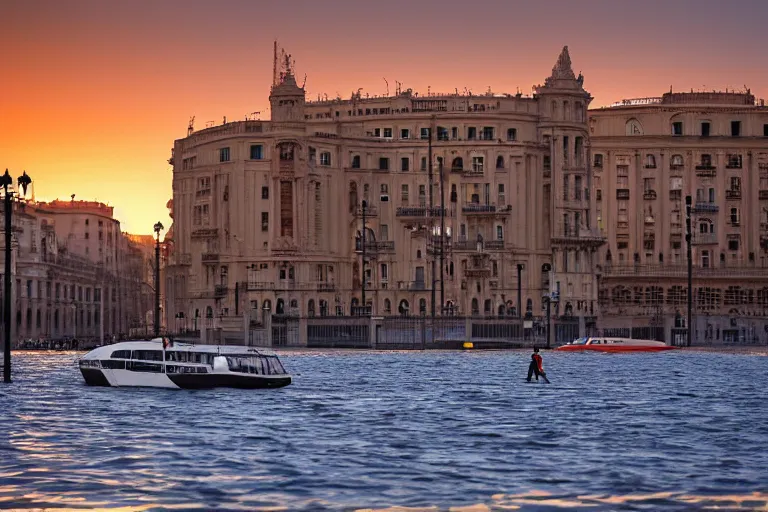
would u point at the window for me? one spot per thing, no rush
(735, 128)
(706, 161)
(265, 192)
(488, 133)
(265, 221)
(733, 244)
(677, 128)
(734, 161)
(384, 232)
(477, 164)
(384, 164)
(765, 130)
(598, 160)
(676, 161)
(257, 152)
(501, 198)
(325, 158)
(547, 163)
(224, 155)
(650, 162)
(499, 233)
(647, 184)
(423, 166)
(356, 162)
(471, 133)
(735, 216)
(384, 272)
(387, 133)
(404, 193)
(384, 188)
(577, 188)
(512, 134)
(566, 185)
(405, 164)
(425, 133)
(376, 131)
(735, 183)
(705, 129)
(499, 162)
(405, 133)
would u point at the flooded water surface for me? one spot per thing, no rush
(361, 430)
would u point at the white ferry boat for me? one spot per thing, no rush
(161, 363)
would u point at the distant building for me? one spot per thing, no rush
(74, 272)
(268, 215)
(647, 156)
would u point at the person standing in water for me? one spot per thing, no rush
(536, 367)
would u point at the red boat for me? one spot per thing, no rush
(607, 344)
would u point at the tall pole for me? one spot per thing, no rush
(549, 310)
(520, 291)
(442, 240)
(362, 244)
(430, 172)
(157, 285)
(7, 284)
(688, 201)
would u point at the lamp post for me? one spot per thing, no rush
(364, 205)
(6, 182)
(158, 228)
(688, 201)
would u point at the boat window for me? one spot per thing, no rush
(121, 354)
(148, 355)
(580, 341)
(140, 366)
(594, 342)
(112, 364)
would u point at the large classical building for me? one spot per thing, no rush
(488, 195)
(76, 275)
(647, 156)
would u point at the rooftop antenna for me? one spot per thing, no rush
(191, 126)
(385, 81)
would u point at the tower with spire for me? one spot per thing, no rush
(563, 104)
(286, 97)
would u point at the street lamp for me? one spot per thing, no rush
(158, 228)
(6, 182)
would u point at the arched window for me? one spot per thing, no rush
(311, 308)
(323, 307)
(354, 306)
(39, 321)
(356, 161)
(502, 309)
(500, 162)
(529, 306)
(208, 312)
(487, 307)
(475, 307)
(568, 309)
(458, 164)
(676, 161)
(387, 306)
(650, 161)
(280, 307)
(423, 306)
(633, 127)
(403, 307)
(352, 196)
(294, 303)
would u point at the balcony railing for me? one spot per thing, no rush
(622, 193)
(372, 247)
(478, 208)
(370, 211)
(681, 271)
(706, 171)
(733, 194)
(649, 195)
(471, 245)
(675, 195)
(413, 286)
(704, 239)
(420, 211)
(477, 272)
(705, 207)
(220, 291)
(210, 257)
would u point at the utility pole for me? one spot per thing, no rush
(442, 239)
(362, 244)
(429, 212)
(157, 227)
(688, 202)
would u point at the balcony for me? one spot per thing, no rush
(411, 212)
(649, 195)
(732, 194)
(476, 171)
(705, 207)
(210, 257)
(471, 245)
(326, 287)
(622, 272)
(220, 291)
(375, 247)
(622, 193)
(675, 195)
(704, 239)
(205, 233)
(706, 171)
(575, 236)
(413, 286)
(370, 211)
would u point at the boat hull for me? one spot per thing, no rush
(125, 378)
(614, 348)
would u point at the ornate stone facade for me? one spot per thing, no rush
(270, 213)
(647, 156)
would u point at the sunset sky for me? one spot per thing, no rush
(93, 93)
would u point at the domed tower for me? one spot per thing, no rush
(574, 240)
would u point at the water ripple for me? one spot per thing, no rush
(397, 431)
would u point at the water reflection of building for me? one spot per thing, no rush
(71, 271)
(647, 156)
(267, 212)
